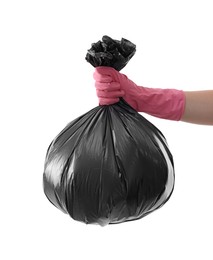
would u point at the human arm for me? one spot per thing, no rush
(193, 107)
(198, 107)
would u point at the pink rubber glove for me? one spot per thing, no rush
(163, 103)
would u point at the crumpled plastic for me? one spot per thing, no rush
(110, 165)
(111, 53)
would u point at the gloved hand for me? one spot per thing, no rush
(163, 103)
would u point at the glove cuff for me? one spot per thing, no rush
(162, 103)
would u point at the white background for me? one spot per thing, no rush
(46, 83)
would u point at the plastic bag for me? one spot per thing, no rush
(110, 165)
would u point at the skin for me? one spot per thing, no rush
(198, 104)
(199, 107)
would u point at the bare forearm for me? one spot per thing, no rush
(198, 107)
(193, 107)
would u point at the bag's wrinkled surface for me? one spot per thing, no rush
(110, 165)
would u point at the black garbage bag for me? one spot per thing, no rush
(109, 165)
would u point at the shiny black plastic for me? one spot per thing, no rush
(108, 166)
(111, 53)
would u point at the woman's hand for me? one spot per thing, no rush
(164, 103)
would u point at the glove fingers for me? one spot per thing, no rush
(106, 72)
(110, 94)
(108, 101)
(107, 86)
(101, 77)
